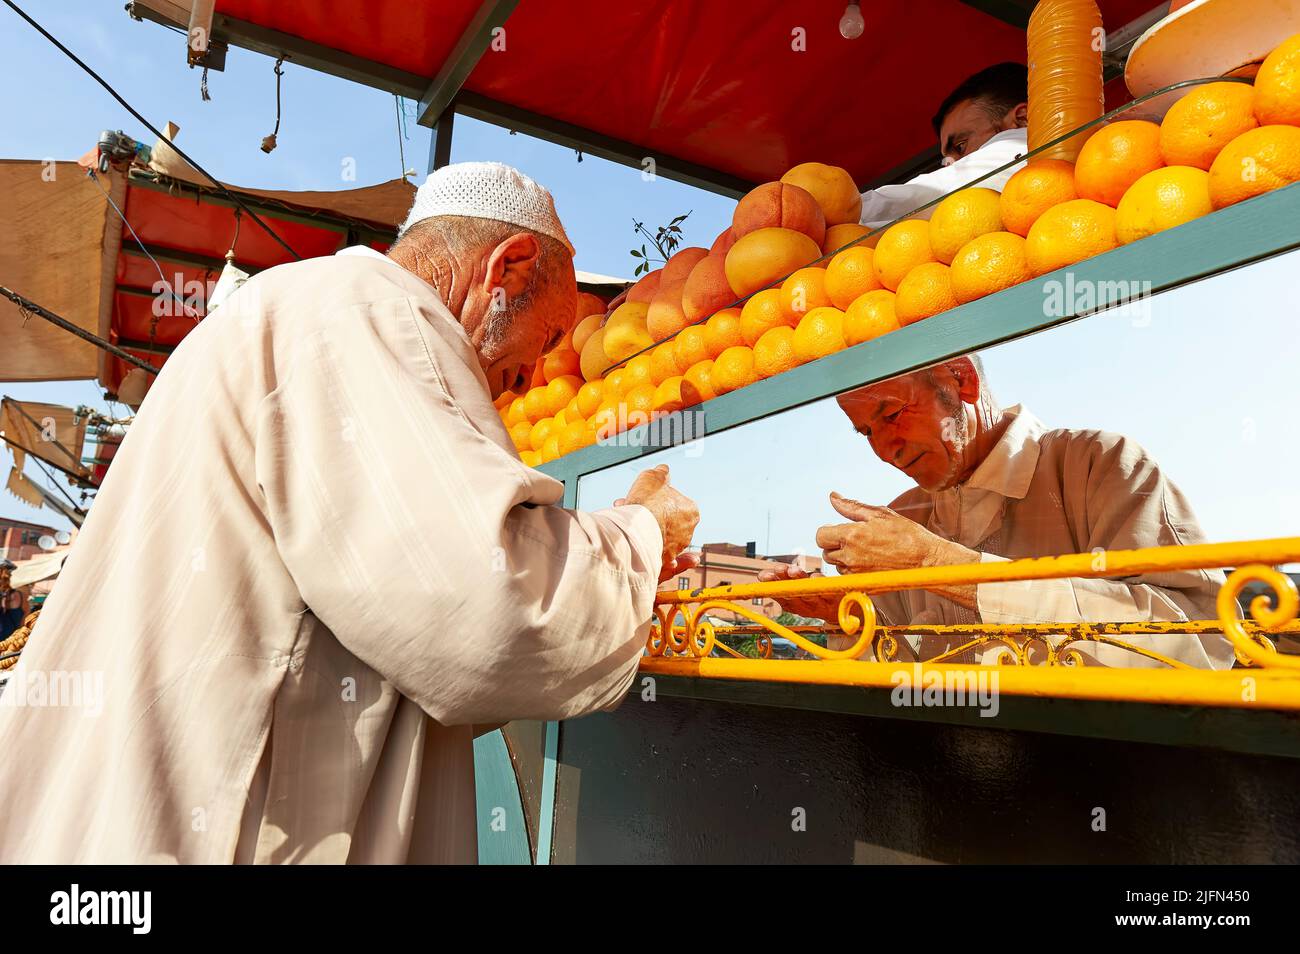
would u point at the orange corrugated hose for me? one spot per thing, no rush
(1066, 39)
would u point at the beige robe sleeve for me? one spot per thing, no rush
(413, 531)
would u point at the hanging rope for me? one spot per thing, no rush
(401, 149)
(269, 142)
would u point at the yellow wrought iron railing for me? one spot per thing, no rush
(1033, 658)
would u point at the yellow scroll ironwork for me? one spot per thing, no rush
(1031, 646)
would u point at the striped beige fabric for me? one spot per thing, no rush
(316, 562)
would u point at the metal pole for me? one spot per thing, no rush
(26, 304)
(440, 147)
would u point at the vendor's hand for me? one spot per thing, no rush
(816, 607)
(880, 539)
(675, 513)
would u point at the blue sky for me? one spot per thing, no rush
(1205, 385)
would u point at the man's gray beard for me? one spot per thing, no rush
(500, 318)
(957, 450)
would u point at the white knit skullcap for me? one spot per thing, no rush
(488, 190)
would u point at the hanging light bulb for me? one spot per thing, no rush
(852, 24)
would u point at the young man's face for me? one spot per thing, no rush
(970, 125)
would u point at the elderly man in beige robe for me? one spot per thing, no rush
(996, 484)
(317, 563)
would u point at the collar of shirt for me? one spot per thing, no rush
(969, 512)
(365, 251)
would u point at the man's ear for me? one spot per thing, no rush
(1017, 118)
(968, 379)
(512, 264)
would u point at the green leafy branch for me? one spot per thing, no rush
(666, 239)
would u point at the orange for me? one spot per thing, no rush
(779, 205)
(961, 217)
(663, 363)
(540, 432)
(838, 236)
(820, 332)
(584, 329)
(1277, 86)
(639, 371)
(765, 255)
(593, 359)
(1161, 200)
(851, 274)
(1069, 233)
(530, 458)
(690, 346)
(870, 316)
(551, 449)
(1256, 162)
(989, 264)
(903, 247)
(774, 352)
(587, 305)
(575, 436)
(521, 434)
(803, 291)
(1114, 158)
(832, 187)
(668, 396)
(638, 404)
(680, 265)
(761, 312)
(605, 422)
(589, 397)
(697, 383)
(707, 290)
(1033, 190)
(561, 391)
(925, 291)
(615, 384)
(571, 410)
(536, 406)
(643, 291)
(625, 332)
(1199, 125)
(560, 363)
(516, 412)
(733, 369)
(722, 331)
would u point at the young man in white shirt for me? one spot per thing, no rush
(981, 126)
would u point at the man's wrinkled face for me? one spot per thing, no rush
(516, 331)
(914, 424)
(969, 125)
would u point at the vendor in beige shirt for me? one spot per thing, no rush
(996, 484)
(318, 563)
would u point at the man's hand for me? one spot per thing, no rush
(816, 607)
(675, 513)
(880, 539)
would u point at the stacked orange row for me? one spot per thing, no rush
(675, 342)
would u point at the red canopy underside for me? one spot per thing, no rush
(715, 83)
(183, 223)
